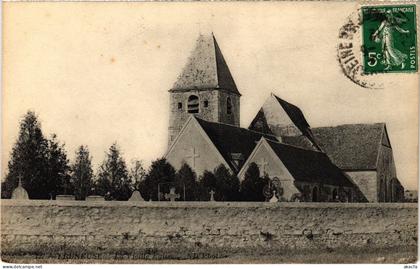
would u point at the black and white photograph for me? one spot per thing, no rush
(238, 132)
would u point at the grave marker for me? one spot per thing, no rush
(211, 196)
(274, 199)
(20, 193)
(136, 196)
(172, 195)
(64, 197)
(95, 198)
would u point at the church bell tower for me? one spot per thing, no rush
(205, 88)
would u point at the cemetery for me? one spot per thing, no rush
(173, 215)
(96, 228)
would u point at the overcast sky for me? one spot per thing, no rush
(96, 73)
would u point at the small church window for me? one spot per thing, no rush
(179, 106)
(394, 190)
(229, 106)
(306, 193)
(350, 196)
(206, 103)
(315, 195)
(193, 104)
(382, 190)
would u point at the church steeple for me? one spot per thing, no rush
(206, 68)
(204, 88)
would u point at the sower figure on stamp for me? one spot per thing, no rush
(385, 34)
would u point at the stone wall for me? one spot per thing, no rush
(191, 142)
(178, 116)
(30, 224)
(224, 117)
(386, 174)
(274, 167)
(214, 112)
(366, 181)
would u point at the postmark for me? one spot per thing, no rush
(349, 53)
(389, 39)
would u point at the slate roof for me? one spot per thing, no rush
(206, 68)
(259, 124)
(300, 141)
(309, 166)
(294, 113)
(351, 146)
(230, 140)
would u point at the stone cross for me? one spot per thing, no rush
(211, 196)
(263, 163)
(20, 193)
(193, 156)
(172, 195)
(20, 180)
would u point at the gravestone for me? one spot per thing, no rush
(95, 198)
(172, 195)
(64, 197)
(211, 196)
(136, 196)
(20, 193)
(274, 199)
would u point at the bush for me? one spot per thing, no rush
(207, 183)
(226, 185)
(113, 180)
(160, 172)
(252, 186)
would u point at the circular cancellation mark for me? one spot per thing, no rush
(349, 53)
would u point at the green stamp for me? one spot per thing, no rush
(389, 39)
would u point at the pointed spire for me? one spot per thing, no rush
(206, 68)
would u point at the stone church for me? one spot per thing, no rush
(352, 163)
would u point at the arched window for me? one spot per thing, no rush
(393, 193)
(228, 106)
(382, 190)
(193, 104)
(306, 193)
(315, 195)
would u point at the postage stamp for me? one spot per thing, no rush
(389, 39)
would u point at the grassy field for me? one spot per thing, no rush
(402, 255)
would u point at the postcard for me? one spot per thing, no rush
(210, 132)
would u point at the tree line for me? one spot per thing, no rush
(46, 172)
